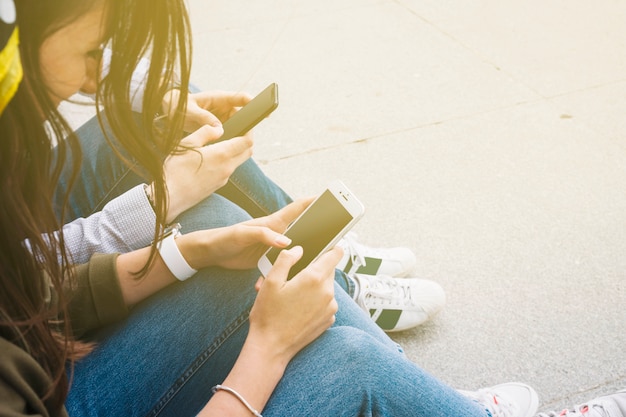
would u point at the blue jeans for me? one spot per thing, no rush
(165, 357)
(103, 176)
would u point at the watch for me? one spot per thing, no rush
(171, 255)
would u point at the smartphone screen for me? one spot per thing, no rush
(252, 113)
(315, 229)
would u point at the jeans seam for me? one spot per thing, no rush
(249, 195)
(349, 283)
(199, 362)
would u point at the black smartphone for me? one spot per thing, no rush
(251, 114)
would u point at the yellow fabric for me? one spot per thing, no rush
(10, 70)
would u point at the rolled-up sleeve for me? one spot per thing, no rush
(96, 298)
(125, 224)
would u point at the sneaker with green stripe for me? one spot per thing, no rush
(398, 304)
(362, 259)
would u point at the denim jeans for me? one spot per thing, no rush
(104, 176)
(174, 346)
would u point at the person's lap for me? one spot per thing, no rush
(349, 372)
(178, 343)
(175, 346)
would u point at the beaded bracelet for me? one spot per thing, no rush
(239, 397)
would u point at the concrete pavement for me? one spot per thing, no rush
(487, 136)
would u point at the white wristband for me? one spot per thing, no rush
(171, 255)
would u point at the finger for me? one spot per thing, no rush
(236, 102)
(328, 261)
(252, 234)
(285, 260)
(276, 240)
(333, 256)
(214, 99)
(202, 116)
(306, 201)
(238, 99)
(291, 211)
(203, 136)
(259, 284)
(239, 146)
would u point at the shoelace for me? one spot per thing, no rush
(582, 410)
(352, 248)
(386, 290)
(496, 406)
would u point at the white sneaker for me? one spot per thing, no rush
(361, 259)
(397, 304)
(607, 406)
(512, 399)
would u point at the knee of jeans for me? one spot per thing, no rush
(212, 212)
(360, 345)
(358, 355)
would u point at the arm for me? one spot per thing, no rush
(95, 297)
(107, 287)
(126, 223)
(234, 247)
(286, 317)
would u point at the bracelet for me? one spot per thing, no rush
(239, 397)
(173, 259)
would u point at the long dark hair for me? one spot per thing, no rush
(134, 38)
(32, 254)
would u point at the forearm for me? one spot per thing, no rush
(255, 375)
(136, 288)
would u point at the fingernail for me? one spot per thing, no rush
(296, 250)
(282, 240)
(216, 123)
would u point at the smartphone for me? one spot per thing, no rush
(319, 227)
(251, 114)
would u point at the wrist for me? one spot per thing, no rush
(256, 373)
(172, 256)
(193, 247)
(263, 345)
(175, 207)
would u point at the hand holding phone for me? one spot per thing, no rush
(319, 227)
(251, 114)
